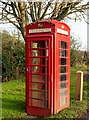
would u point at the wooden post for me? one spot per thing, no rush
(79, 85)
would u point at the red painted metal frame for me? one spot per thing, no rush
(54, 66)
(30, 110)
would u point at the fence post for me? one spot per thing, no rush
(79, 85)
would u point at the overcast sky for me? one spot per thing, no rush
(80, 30)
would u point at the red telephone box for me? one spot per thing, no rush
(47, 67)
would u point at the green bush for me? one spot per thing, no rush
(13, 57)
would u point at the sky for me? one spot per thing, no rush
(78, 29)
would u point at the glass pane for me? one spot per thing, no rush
(63, 69)
(29, 44)
(38, 86)
(38, 78)
(62, 101)
(40, 61)
(63, 53)
(35, 68)
(62, 85)
(39, 52)
(35, 60)
(63, 94)
(39, 69)
(47, 52)
(38, 44)
(46, 78)
(47, 61)
(40, 95)
(63, 77)
(38, 103)
(35, 52)
(63, 45)
(63, 61)
(34, 45)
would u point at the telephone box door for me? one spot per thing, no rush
(38, 93)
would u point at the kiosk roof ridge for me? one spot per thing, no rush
(54, 22)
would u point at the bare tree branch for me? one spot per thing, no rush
(39, 10)
(45, 10)
(12, 22)
(26, 12)
(31, 12)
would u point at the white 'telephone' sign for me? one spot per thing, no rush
(39, 30)
(62, 31)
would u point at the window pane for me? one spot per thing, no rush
(29, 44)
(62, 101)
(63, 77)
(38, 78)
(63, 53)
(63, 69)
(40, 95)
(63, 61)
(38, 86)
(35, 68)
(35, 52)
(40, 52)
(63, 44)
(35, 60)
(38, 44)
(39, 69)
(62, 85)
(38, 103)
(47, 52)
(40, 61)
(63, 94)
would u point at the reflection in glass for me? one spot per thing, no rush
(38, 103)
(47, 52)
(62, 85)
(35, 52)
(38, 78)
(62, 102)
(63, 53)
(63, 77)
(63, 69)
(38, 44)
(37, 94)
(63, 94)
(29, 44)
(38, 86)
(35, 60)
(39, 69)
(35, 68)
(63, 44)
(63, 61)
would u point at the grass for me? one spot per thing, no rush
(13, 99)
